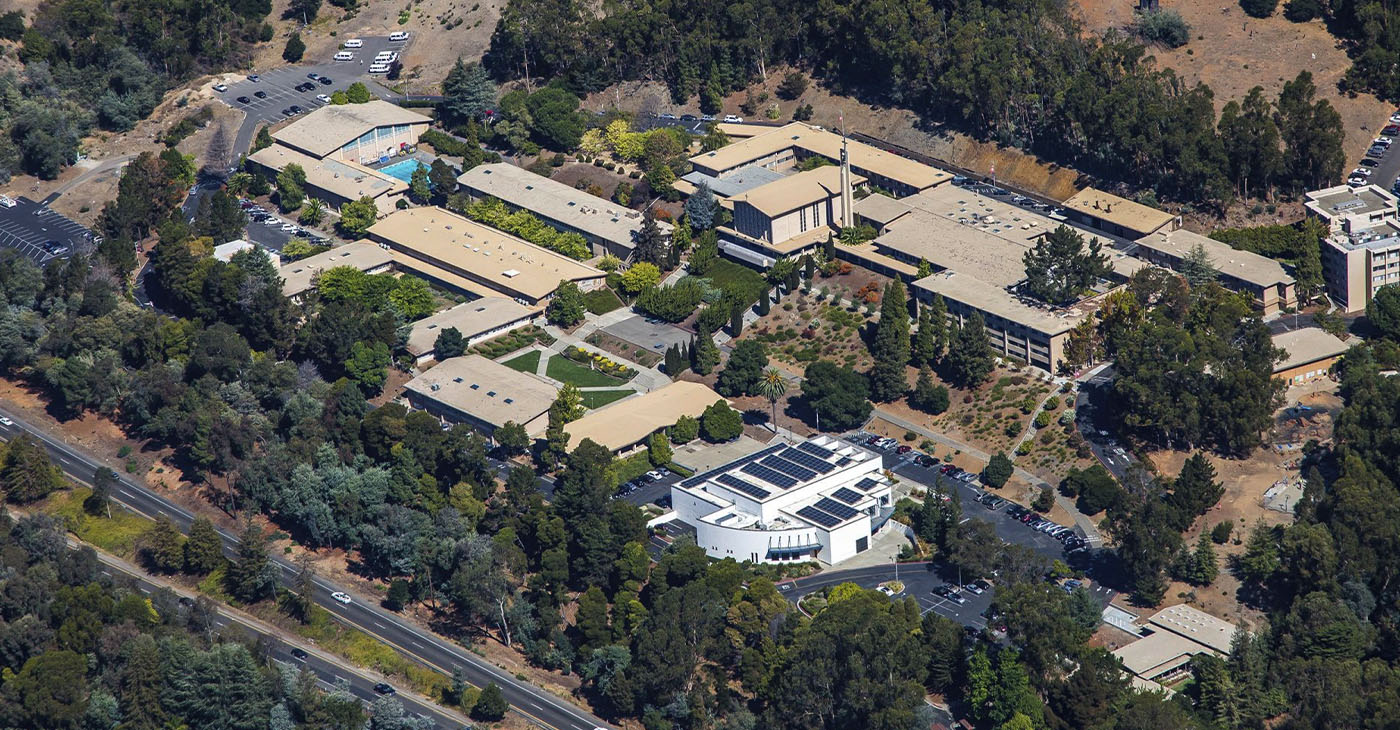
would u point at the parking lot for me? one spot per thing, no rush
(28, 226)
(654, 336)
(279, 86)
(1384, 166)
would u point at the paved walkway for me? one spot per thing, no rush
(647, 379)
(1091, 531)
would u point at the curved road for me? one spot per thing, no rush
(539, 706)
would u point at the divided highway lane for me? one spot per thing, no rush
(327, 671)
(538, 705)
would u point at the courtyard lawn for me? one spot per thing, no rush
(601, 301)
(527, 363)
(600, 398)
(732, 276)
(567, 371)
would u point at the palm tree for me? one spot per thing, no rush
(772, 386)
(312, 212)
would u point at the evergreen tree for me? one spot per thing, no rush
(998, 470)
(1196, 489)
(705, 254)
(970, 359)
(659, 449)
(467, 93)
(26, 474)
(162, 546)
(704, 354)
(591, 622)
(418, 187)
(649, 243)
(932, 336)
(736, 321)
(261, 140)
(566, 308)
(891, 346)
(294, 50)
(251, 577)
(744, 369)
(809, 268)
(671, 363)
(1197, 268)
(928, 396)
(491, 705)
(925, 269)
(700, 208)
(449, 343)
(1060, 267)
(99, 502)
(763, 301)
(204, 550)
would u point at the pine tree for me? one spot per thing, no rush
(1206, 568)
(736, 321)
(204, 551)
(763, 304)
(467, 93)
(162, 546)
(925, 269)
(491, 706)
(829, 248)
(700, 208)
(649, 243)
(591, 623)
(928, 396)
(705, 355)
(249, 578)
(970, 359)
(891, 346)
(929, 340)
(809, 268)
(1197, 267)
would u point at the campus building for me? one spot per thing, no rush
(1362, 252)
(466, 256)
(362, 134)
(1260, 277)
(821, 499)
(299, 277)
(1171, 638)
(477, 321)
(334, 144)
(791, 215)
(626, 424)
(781, 148)
(483, 394)
(1311, 353)
(1117, 216)
(607, 226)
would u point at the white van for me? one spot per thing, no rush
(379, 68)
(344, 56)
(398, 35)
(354, 43)
(385, 57)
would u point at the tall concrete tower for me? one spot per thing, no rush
(848, 218)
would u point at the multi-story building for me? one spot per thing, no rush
(820, 499)
(1260, 277)
(1362, 254)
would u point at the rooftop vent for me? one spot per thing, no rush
(490, 394)
(475, 386)
(456, 380)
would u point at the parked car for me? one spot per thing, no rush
(973, 588)
(925, 460)
(1391, 130)
(354, 43)
(1382, 141)
(904, 449)
(342, 597)
(689, 118)
(221, 88)
(668, 117)
(398, 36)
(733, 119)
(325, 81)
(260, 94)
(296, 109)
(323, 98)
(244, 100)
(955, 597)
(711, 118)
(313, 76)
(254, 78)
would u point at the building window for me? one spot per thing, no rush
(802, 215)
(862, 544)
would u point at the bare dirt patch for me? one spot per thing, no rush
(1232, 53)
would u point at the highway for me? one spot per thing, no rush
(537, 705)
(328, 669)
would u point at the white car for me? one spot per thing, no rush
(221, 88)
(354, 43)
(6, 421)
(272, 222)
(886, 590)
(341, 597)
(323, 98)
(397, 36)
(289, 227)
(7, 201)
(733, 119)
(379, 68)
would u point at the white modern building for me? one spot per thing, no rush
(819, 499)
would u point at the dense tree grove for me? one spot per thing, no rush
(1098, 103)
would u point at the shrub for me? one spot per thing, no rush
(1165, 27)
(1044, 501)
(1220, 534)
(1259, 8)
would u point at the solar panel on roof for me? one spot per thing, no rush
(818, 451)
(866, 484)
(807, 460)
(702, 477)
(754, 491)
(836, 508)
(770, 476)
(847, 496)
(787, 467)
(812, 514)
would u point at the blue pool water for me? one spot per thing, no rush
(403, 170)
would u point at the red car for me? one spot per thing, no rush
(1391, 131)
(906, 448)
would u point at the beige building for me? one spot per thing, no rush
(1311, 354)
(461, 254)
(299, 277)
(1345, 209)
(1117, 216)
(334, 182)
(483, 394)
(1173, 636)
(607, 226)
(1362, 254)
(788, 216)
(784, 146)
(628, 423)
(1260, 277)
(477, 321)
(360, 133)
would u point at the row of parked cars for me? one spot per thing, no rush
(639, 482)
(955, 593)
(258, 214)
(1072, 541)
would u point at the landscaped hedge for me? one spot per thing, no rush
(512, 341)
(599, 362)
(494, 213)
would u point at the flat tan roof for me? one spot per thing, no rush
(297, 276)
(493, 256)
(628, 421)
(793, 192)
(978, 294)
(1135, 217)
(1307, 345)
(733, 130)
(1158, 654)
(471, 319)
(588, 214)
(331, 127)
(1196, 625)
(485, 390)
(1243, 265)
(1340, 201)
(348, 180)
(864, 157)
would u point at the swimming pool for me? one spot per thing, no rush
(403, 170)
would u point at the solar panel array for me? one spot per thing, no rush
(821, 466)
(820, 452)
(770, 476)
(847, 496)
(754, 491)
(799, 473)
(702, 477)
(812, 514)
(833, 507)
(866, 484)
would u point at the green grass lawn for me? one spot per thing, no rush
(117, 535)
(527, 363)
(732, 276)
(601, 301)
(600, 398)
(567, 371)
